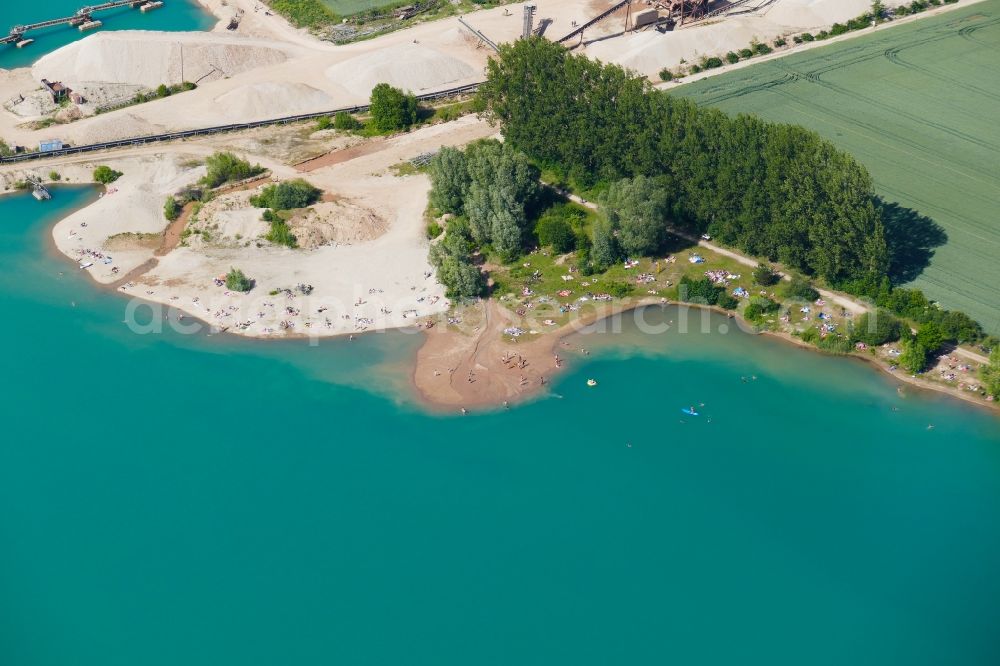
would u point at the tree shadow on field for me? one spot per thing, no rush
(911, 238)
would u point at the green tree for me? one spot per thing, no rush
(506, 234)
(912, 357)
(502, 186)
(345, 121)
(392, 109)
(604, 252)
(878, 10)
(171, 210)
(959, 327)
(877, 328)
(236, 280)
(224, 167)
(765, 276)
(449, 180)
(637, 208)
(930, 337)
(553, 230)
(701, 291)
(802, 290)
(291, 194)
(759, 307)
(106, 175)
(452, 257)
(990, 374)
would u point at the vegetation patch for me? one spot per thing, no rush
(391, 109)
(236, 280)
(225, 168)
(283, 197)
(287, 195)
(106, 175)
(305, 13)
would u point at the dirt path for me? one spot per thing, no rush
(175, 231)
(855, 307)
(369, 147)
(135, 273)
(971, 355)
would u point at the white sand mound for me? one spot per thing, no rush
(258, 101)
(408, 66)
(151, 58)
(113, 126)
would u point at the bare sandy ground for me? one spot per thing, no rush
(365, 253)
(268, 69)
(467, 362)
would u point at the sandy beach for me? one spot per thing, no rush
(470, 365)
(364, 253)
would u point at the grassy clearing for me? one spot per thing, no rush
(535, 289)
(348, 7)
(917, 105)
(304, 13)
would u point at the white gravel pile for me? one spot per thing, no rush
(259, 101)
(407, 66)
(151, 58)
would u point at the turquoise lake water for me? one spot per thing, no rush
(173, 15)
(197, 500)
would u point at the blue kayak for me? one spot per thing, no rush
(689, 411)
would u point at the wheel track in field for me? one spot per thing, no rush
(815, 77)
(864, 53)
(971, 223)
(958, 290)
(744, 90)
(970, 172)
(892, 55)
(966, 33)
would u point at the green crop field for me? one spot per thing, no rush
(919, 106)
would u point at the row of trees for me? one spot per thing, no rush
(771, 190)
(491, 189)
